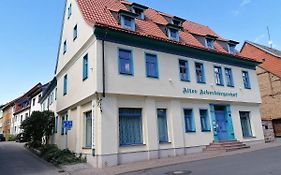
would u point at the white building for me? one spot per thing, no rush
(139, 84)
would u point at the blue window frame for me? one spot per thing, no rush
(75, 31)
(65, 85)
(130, 126)
(231, 48)
(189, 120)
(69, 11)
(128, 22)
(151, 65)
(184, 70)
(125, 62)
(173, 34)
(200, 73)
(218, 75)
(204, 118)
(85, 67)
(245, 124)
(246, 80)
(64, 47)
(162, 125)
(229, 77)
(210, 43)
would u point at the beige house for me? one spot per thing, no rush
(139, 84)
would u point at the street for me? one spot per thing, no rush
(262, 162)
(15, 160)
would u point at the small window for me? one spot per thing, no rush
(56, 124)
(245, 124)
(229, 77)
(139, 12)
(64, 47)
(162, 125)
(200, 74)
(88, 129)
(210, 43)
(75, 32)
(130, 126)
(125, 62)
(39, 98)
(21, 118)
(56, 91)
(128, 22)
(218, 75)
(246, 80)
(231, 48)
(85, 67)
(65, 85)
(173, 34)
(189, 120)
(69, 11)
(62, 127)
(151, 65)
(204, 118)
(33, 101)
(184, 70)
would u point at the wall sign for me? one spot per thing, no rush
(208, 92)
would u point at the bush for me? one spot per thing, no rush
(52, 154)
(10, 137)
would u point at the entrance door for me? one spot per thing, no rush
(221, 125)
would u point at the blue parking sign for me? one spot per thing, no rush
(67, 124)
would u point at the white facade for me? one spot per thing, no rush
(34, 103)
(147, 94)
(16, 121)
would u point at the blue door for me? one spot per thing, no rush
(221, 125)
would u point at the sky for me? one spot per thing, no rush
(30, 31)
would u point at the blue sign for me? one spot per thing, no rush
(67, 124)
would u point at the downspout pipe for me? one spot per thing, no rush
(103, 64)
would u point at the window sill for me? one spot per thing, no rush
(132, 145)
(86, 147)
(206, 131)
(190, 131)
(128, 74)
(163, 143)
(219, 84)
(201, 82)
(231, 86)
(185, 80)
(249, 137)
(155, 77)
(85, 78)
(247, 88)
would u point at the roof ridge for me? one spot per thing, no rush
(265, 48)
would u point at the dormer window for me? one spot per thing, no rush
(231, 48)
(177, 21)
(138, 10)
(127, 19)
(173, 34)
(210, 43)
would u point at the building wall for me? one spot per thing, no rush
(7, 115)
(35, 106)
(16, 121)
(1, 121)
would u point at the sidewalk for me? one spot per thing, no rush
(85, 169)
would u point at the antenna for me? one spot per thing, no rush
(269, 39)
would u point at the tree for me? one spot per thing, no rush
(38, 125)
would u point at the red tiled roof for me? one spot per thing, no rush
(99, 13)
(270, 61)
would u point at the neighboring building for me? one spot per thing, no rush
(1, 119)
(269, 76)
(140, 84)
(8, 111)
(22, 108)
(35, 104)
(48, 102)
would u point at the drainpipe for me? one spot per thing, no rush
(103, 65)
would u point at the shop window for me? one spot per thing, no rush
(245, 124)
(189, 120)
(205, 122)
(162, 125)
(88, 129)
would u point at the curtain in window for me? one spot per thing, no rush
(162, 125)
(245, 124)
(130, 126)
(125, 57)
(88, 135)
(151, 65)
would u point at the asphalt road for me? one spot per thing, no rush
(262, 162)
(16, 160)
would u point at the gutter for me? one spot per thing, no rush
(103, 64)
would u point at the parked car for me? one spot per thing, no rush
(20, 138)
(2, 138)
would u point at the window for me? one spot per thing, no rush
(56, 91)
(62, 126)
(39, 98)
(151, 65)
(128, 22)
(189, 120)
(56, 124)
(218, 75)
(85, 67)
(173, 34)
(65, 85)
(64, 47)
(210, 43)
(88, 129)
(21, 118)
(162, 125)
(26, 115)
(139, 12)
(200, 74)
(246, 80)
(245, 124)
(69, 11)
(184, 70)
(125, 62)
(75, 32)
(229, 77)
(204, 118)
(33, 102)
(130, 126)
(231, 48)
